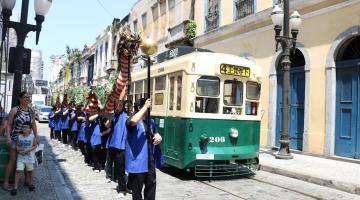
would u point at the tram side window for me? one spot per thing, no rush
(138, 89)
(159, 86)
(151, 87)
(179, 87)
(131, 91)
(172, 94)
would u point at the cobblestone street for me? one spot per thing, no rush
(63, 175)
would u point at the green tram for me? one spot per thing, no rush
(206, 107)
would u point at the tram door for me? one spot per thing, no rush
(297, 99)
(174, 125)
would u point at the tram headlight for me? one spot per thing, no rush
(234, 133)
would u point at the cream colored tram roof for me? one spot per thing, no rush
(206, 63)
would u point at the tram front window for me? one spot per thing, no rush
(208, 86)
(206, 105)
(233, 97)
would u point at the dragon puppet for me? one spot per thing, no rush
(126, 50)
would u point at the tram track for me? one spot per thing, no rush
(286, 188)
(254, 179)
(218, 188)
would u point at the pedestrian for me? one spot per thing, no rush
(71, 112)
(73, 127)
(81, 136)
(65, 123)
(18, 116)
(116, 144)
(88, 148)
(25, 147)
(104, 130)
(57, 123)
(96, 141)
(139, 158)
(52, 122)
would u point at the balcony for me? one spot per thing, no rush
(178, 36)
(244, 8)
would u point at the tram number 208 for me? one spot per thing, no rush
(217, 139)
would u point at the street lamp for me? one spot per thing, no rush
(22, 29)
(288, 44)
(148, 47)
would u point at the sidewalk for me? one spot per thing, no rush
(47, 180)
(336, 174)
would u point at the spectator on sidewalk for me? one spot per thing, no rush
(17, 117)
(140, 159)
(25, 147)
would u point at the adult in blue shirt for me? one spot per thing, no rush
(51, 122)
(139, 158)
(116, 143)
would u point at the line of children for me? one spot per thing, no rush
(119, 141)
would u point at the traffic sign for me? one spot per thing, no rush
(41, 83)
(26, 60)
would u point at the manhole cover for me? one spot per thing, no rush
(61, 160)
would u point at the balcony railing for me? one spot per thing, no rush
(244, 8)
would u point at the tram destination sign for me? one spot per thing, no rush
(234, 70)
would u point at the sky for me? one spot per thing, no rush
(74, 23)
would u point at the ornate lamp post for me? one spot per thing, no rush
(148, 47)
(22, 29)
(288, 45)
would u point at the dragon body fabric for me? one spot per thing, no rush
(127, 48)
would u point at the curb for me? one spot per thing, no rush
(346, 187)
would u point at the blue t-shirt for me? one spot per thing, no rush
(117, 137)
(74, 122)
(57, 121)
(96, 135)
(64, 119)
(89, 129)
(81, 135)
(51, 120)
(136, 150)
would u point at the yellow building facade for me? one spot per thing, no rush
(326, 98)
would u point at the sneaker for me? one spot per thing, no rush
(13, 192)
(108, 180)
(97, 171)
(59, 142)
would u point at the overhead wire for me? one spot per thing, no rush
(105, 9)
